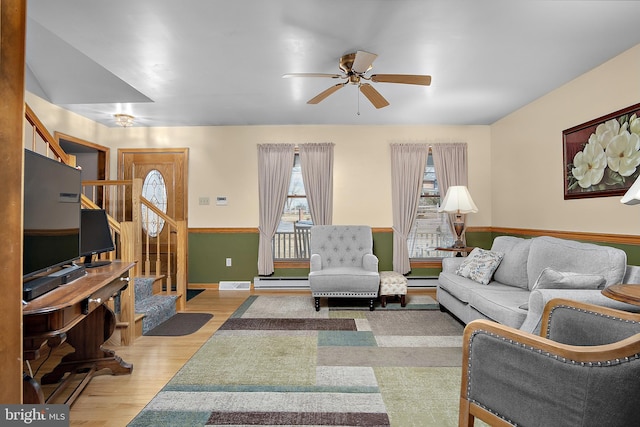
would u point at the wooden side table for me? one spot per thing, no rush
(459, 251)
(623, 292)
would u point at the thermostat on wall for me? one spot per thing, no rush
(221, 201)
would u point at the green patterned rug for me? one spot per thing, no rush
(277, 361)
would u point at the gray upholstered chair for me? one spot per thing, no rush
(583, 371)
(342, 263)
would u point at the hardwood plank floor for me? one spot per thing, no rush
(115, 400)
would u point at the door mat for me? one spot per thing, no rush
(180, 324)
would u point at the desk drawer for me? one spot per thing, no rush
(103, 295)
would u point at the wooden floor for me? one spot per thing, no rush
(115, 400)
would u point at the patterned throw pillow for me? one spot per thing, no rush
(480, 265)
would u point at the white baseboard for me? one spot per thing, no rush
(422, 282)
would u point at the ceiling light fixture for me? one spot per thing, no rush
(124, 120)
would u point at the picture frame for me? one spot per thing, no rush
(602, 156)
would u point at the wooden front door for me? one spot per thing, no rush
(171, 165)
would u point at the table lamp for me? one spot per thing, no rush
(458, 201)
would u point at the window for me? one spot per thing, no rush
(154, 189)
(291, 240)
(431, 228)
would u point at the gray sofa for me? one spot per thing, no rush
(516, 297)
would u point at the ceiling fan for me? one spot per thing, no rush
(354, 67)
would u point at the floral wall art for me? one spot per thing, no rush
(602, 157)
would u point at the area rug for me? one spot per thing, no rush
(413, 302)
(276, 361)
(180, 324)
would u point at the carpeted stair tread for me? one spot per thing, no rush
(156, 308)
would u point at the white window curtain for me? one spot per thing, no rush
(316, 162)
(450, 161)
(274, 173)
(408, 162)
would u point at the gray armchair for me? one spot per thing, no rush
(342, 263)
(583, 371)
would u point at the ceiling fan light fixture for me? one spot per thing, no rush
(124, 120)
(353, 67)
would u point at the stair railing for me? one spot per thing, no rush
(123, 200)
(165, 255)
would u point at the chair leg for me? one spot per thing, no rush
(317, 303)
(383, 300)
(371, 304)
(403, 301)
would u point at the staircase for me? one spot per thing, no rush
(151, 308)
(159, 283)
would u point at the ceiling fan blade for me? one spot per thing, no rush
(322, 95)
(333, 76)
(373, 95)
(362, 62)
(402, 78)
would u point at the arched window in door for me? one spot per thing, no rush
(154, 189)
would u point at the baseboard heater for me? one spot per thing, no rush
(234, 286)
(422, 282)
(280, 283)
(303, 282)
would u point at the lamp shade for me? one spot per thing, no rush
(632, 196)
(458, 200)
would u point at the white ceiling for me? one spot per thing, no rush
(212, 62)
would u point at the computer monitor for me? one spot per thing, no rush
(95, 237)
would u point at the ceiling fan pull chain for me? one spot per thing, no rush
(358, 100)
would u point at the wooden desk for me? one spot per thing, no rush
(623, 292)
(75, 313)
(459, 251)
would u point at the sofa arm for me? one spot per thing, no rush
(315, 262)
(451, 264)
(540, 297)
(370, 262)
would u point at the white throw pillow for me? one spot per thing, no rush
(480, 265)
(552, 279)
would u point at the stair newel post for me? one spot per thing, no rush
(136, 219)
(127, 297)
(181, 265)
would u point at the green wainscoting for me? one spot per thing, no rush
(208, 251)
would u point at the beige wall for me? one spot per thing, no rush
(527, 154)
(223, 162)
